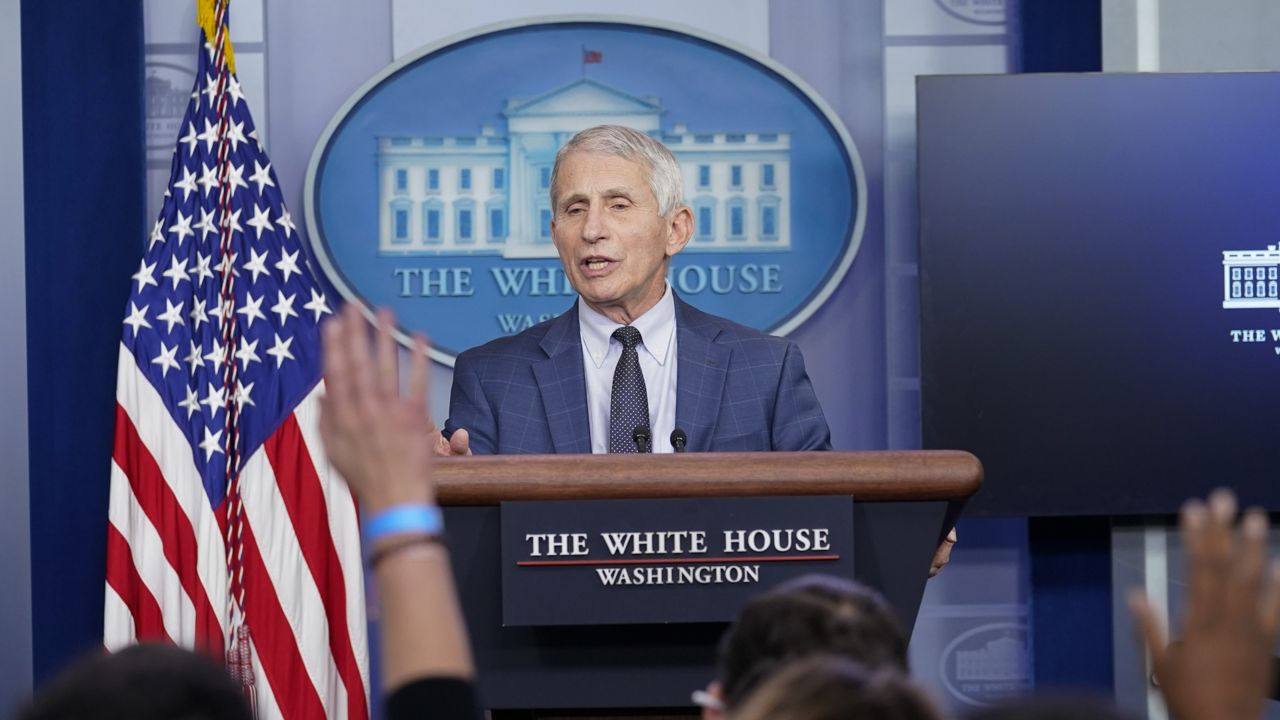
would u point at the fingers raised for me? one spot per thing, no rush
(1201, 587)
(1269, 605)
(418, 374)
(338, 372)
(384, 347)
(364, 385)
(1151, 627)
(1252, 558)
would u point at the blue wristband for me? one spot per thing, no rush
(408, 518)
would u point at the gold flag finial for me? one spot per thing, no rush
(206, 18)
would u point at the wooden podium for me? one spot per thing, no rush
(904, 503)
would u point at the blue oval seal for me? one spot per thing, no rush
(986, 664)
(978, 12)
(428, 191)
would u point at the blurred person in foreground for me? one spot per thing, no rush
(150, 681)
(810, 615)
(826, 687)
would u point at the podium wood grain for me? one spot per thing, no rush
(869, 476)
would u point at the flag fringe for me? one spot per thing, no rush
(205, 17)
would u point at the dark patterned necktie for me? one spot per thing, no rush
(629, 408)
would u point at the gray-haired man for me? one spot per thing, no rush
(630, 367)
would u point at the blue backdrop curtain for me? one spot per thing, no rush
(84, 155)
(1070, 557)
(1060, 36)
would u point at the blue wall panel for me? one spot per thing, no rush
(83, 141)
(1071, 603)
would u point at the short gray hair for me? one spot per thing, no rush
(633, 145)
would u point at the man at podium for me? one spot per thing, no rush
(630, 367)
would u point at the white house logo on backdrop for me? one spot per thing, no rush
(1251, 280)
(428, 192)
(487, 193)
(987, 664)
(979, 12)
(168, 92)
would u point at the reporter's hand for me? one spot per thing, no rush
(1221, 668)
(372, 434)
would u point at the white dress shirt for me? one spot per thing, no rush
(657, 350)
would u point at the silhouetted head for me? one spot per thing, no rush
(811, 615)
(825, 687)
(142, 682)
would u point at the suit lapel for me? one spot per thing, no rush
(700, 376)
(563, 386)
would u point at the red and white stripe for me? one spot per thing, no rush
(167, 568)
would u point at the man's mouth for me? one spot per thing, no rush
(596, 266)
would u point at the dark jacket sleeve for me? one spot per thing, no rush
(439, 698)
(469, 409)
(798, 422)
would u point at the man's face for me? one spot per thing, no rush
(611, 239)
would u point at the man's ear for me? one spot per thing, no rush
(679, 229)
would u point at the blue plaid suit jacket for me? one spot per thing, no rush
(736, 389)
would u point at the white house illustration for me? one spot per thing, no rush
(1249, 278)
(488, 193)
(1000, 660)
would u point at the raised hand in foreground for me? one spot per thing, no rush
(375, 436)
(1221, 668)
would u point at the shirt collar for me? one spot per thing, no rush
(657, 326)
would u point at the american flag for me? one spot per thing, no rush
(229, 532)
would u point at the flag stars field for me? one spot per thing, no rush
(181, 227)
(157, 233)
(145, 275)
(137, 318)
(261, 221)
(188, 182)
(252, 309)
(261, 176)
(172, 315)
(257, 263)
(284, 306)
(288, 265)
(235, 178)
(177, 271)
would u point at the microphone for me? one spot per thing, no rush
(641, 437)
(678, 439)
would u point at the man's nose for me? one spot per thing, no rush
(594, 228)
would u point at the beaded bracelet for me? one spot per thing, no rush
(404, 543)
